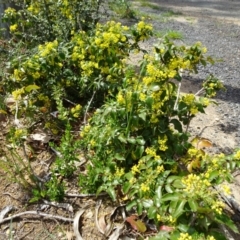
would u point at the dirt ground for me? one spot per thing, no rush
(33, 226)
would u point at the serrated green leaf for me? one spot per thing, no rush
(140, 141)
(139, 151)
(179, 208)
(126, 187)
(193, 205)
(155, 88)
(149, 101)
(152, 212)
(177, 124)
(183, 227)
(168, 188)
(172, 206)
(170, 179)
(29, 88)
(111, 193)
(131, 140)
(218, 235)
(119, 157)
(131, 204)
(139, 208)
(147, 203)
(143, 116)
(213, 175)
(171, 197)
(159, 192)
(162, 235)
(62, 55)
(178, 183)
(122, 139)
(224, 219)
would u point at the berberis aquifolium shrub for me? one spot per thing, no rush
(140, 151)
(90, 63)
(136, 142)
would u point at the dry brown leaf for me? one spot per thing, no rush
(199, 142)
(76, 224)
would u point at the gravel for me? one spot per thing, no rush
(222, 40)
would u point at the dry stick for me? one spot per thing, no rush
(84, 195)
(36, 213)
(88, 106)
(200, 91)
(178, 94)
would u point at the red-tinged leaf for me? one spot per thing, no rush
(136, 224)
(166, 228)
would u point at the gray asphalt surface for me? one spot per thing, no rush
(217, 28)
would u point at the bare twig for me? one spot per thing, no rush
(84, 195)
(66, 206)
(200, 91)
(88, 106)
(178, 94)
(49, 216)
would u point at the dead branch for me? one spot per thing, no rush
(49, 216)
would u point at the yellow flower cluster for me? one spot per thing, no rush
(143, 30)
(17, 93)
(142, 97)
(120, 98)
(10, 11)
(162, 143)
(211, 238)
(155, 72)
(160, 169)
(135, 169)
(75, 111)
(144, 187)
(185, 236)
(34, 8)
(17, 75)
(152, 152)
(205, 102)
(196, 185)
(48, 48)
(237, 155)
(85, 130)
(193, 110)
(19, 133)
(178, 64)
(188, 99)
(218, 207)
(13, 27)
(119, 172)
(226, 189)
